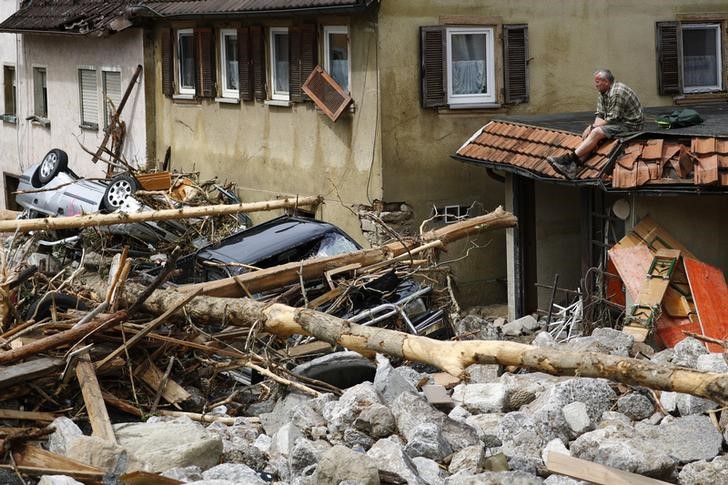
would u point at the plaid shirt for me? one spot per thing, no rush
(620, 105)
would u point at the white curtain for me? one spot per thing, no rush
(340, 72)
(468, 64)
(700, 71)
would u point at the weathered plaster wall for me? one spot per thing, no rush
(8, 142)
(568, 40)
(63, 56)
(271, 150)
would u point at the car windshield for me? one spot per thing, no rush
(332, 244)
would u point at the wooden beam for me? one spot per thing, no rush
(594, 472)
(27, 415)
(27, 371)
(95, 407)
(94, 220)
(152, 376)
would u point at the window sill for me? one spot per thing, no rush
(692, 98)
(277, 102)
(228, 100)
(472, 109)
(183, 97)
(8, 118)
(89, 126)
(475, 106)
(39, 121)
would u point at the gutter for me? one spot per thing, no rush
(135, 12)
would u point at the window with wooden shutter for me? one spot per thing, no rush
(257, 46)
(40, 92)
(229, 64)
(10, 93)
(111, 84)
(245, 68)
(433, 69)
(295, 48)
(515, 59)
(206, 57)
(187, 61)
(326, 93)
(167, 63)
(668, 58)
(337, 54)
(89, 98)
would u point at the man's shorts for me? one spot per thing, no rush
(610, 131)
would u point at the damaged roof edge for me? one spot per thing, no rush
(523, 172)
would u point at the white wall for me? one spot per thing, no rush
(8, 132)
(62, 56)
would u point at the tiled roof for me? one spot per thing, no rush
(212, 7)
(695, 160)
(65, 16)
(527, 147)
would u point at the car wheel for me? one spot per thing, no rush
(54, 162)
(120, 188)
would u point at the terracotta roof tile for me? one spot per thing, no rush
(722, 161)
(628, 159)
(653, 150)
(706, 170)
(721, 146)
(702, 146)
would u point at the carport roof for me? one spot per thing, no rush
(689, 159)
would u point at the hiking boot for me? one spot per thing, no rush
(566, 165)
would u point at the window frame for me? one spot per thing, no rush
(716, 27)
(43, 90)
(274, 94)
(224, 91)
(104, 91)
(338, 29)
(179, 33)
(490, 97)
(10, 95)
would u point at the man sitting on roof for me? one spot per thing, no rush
(618, 111)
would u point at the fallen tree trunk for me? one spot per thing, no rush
(88, 220)
(452, 357)
(278, 276)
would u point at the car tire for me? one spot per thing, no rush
(52, 164)
(40, 309)
(120, 188)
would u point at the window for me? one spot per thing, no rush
(458, 65)
(470, 66)
(279, 63)
(450, 214)
(186, 61)
(701, 57)
(40, 92)
(111, 84)
(689, 58)
(10, 93)
(336, 54)
(229, 63)
(89, 98)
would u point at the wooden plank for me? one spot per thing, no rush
(710, 294)
(89, 478)
(95, 406)
(594, 472)
(27, 371)
(27, 415)
(154, 180)
(173, 393)
(648, 232)
(147, 478)
(315, 347)
(32, 456)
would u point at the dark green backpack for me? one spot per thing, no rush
(679, 118)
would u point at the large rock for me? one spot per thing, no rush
(426, 440)
(285, 439)
(306, 453)
(483, 373)
(390, 382)
(616, 342)
(715, 471)
(376, 420)
(104, 454)
(486, 425)
(411, 411)
(480, 398)
(65, 430)
(687, 352)
(712, 363)
(429, 471)
(636, 406)
(577, 417)
(494, 478)
(177, 443)
(341, 414)
(522, 440)
(389, 456)
(233, 472)
(282, 412)
(470, 459)
(340, 463)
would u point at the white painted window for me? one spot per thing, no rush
(40, 92)
(229, 63)
(10, 92)
(111, 85)
(186, 61)
(470, 65)
(89, 98)
(337, 54)
(450, 214)
(279, 63)
(701, 58)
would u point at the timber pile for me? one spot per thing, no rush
(199, 382)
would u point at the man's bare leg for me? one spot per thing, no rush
(587, 146)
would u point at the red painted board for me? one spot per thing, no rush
(670, 329)
(710, 295)
(632, 264)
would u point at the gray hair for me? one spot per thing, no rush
(605, 74)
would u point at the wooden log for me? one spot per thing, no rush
(27, 415)
(95, 407)
(37, 461)
(452, 357)
(89, 220)
(61, 338)
(27, 371)
(277, 276)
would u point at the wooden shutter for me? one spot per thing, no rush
(245, 71)
(167, 63)
(257, 46)
(205, 62)
(89, 97)
(515, 63)
(668, 58)
(326, 93)
(433, 69)
(302, 58)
